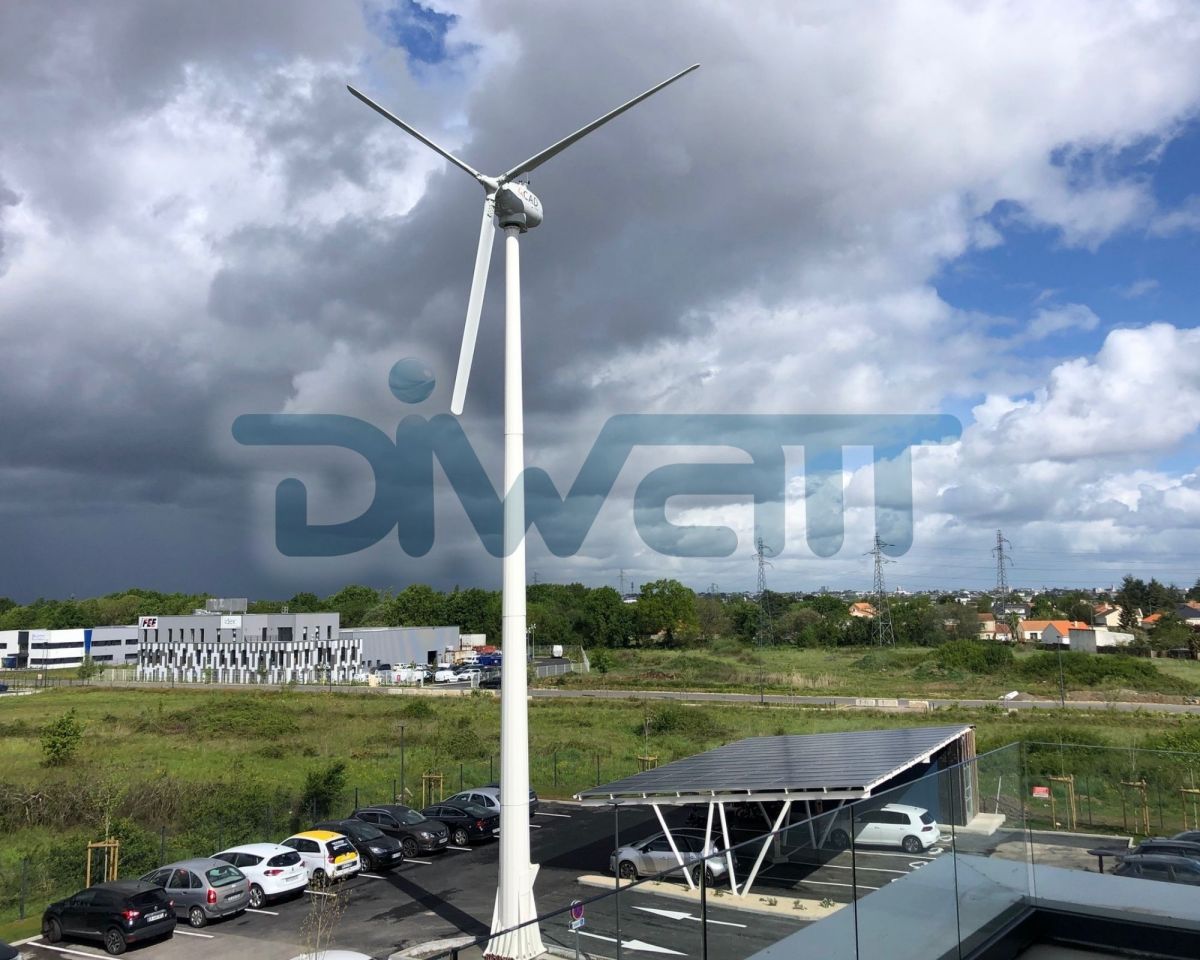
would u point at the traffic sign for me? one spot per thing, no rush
(576, 909)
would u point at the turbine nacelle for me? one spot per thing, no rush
(506, 201)
(517, 206)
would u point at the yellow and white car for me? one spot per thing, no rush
(326, 855)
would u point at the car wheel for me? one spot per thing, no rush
(459, 837)
(839, 839)
(911, 844)
(51, 931)
(114, 941)
(368, 863)
(409, 845)
(256, 896)
(319, 878)
(627, 870)
(196, 916)
(708, 876)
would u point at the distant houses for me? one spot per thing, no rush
(862, 609)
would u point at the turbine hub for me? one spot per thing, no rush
(517, 206)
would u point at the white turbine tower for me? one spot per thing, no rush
(517, 210)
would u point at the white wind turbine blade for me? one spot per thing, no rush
(483, 259)
(413, 131)
(539, 158)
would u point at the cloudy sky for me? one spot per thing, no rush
(987, 210)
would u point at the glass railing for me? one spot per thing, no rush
(932, 867)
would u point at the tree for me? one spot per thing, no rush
(61, 739)
(323, 789)
(711, 618)
(607, 619)
(89, 668)
(305, 602)
(1192, 594)
(666, 608)
(352, 603)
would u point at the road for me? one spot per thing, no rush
(864, 703)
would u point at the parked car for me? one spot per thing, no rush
(1191, 836)
(376, 850)
(468, 674)
(415, 831)
(488, 797)
(274, 871)
(654, 855)
(203, 889)
(326, 855)
(491, 659)
(1150, 866)
(116, 914)
(1168, 847)
(489, 678)
(8, 952)
(466, 821)
(892, 825)
(445, 674)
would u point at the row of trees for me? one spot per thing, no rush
(666, 613)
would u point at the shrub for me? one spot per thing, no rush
(61, 739)
(690, 722)
(601, 661)
(1098, 671)
(323, 788)
(973, 656)
(417, 708)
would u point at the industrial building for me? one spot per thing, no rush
(63, 649)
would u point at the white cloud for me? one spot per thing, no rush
(1071, 316)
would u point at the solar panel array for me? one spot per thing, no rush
(822, 761)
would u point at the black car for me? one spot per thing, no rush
(1149, 866)
(376, 850)
(7, 952)
(1191, 836)
(466, 821)
(116, 914)
(416, 832)
(1164, 847)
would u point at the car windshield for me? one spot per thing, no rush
(284, 859)
(474, 810)
(223, 876)
(147, 899)
(340, 845)
(926, 818)
(362, 831)
(410, 817)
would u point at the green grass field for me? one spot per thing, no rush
(869, 672)
(180, 772)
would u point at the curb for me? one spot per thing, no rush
(431, 947)
(812, 908)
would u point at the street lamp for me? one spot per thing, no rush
(401, 800)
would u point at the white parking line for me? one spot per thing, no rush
(535, 826)
(76, 953)
(427, 863)
(315, 893)
(266, 913)
(192, 933)
(838, 866)
(372, 876)
(466, 849)
(831, 883)
(542, 813)
(907, 856)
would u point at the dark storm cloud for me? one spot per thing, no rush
(212, 225)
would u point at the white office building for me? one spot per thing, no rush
(64, 649)
(247, 648)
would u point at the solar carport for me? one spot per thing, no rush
(821, 771)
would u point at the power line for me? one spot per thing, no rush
(1002, 563)
(883, 611)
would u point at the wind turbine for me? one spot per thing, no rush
(517, 210)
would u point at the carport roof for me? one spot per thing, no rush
(833, 765)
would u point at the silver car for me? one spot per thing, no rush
(203, 889)
(488, 797)
(654, 855)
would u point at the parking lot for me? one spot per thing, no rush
(451, 895)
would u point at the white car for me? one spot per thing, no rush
(892, 825)
(273, 870)
(326, 855)
(445, 675)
